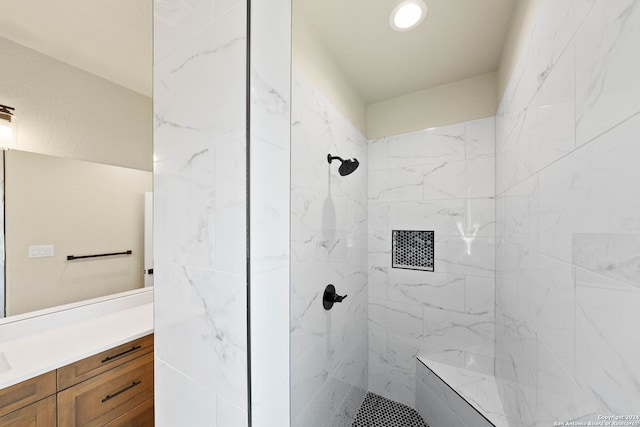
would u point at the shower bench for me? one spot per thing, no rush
(452, 396)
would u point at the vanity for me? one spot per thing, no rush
(87, 366)
(76, 214)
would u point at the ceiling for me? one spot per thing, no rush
(458, 39)
(109, 38)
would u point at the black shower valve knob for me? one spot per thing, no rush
(330, 297)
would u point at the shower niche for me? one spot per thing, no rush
(412, 249)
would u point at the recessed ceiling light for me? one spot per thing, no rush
(407, 15)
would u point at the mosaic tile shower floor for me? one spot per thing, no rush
(377, 411)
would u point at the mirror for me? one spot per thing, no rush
(77, 161)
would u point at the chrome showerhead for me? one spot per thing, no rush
(347, 166)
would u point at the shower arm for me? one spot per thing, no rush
(331, 158)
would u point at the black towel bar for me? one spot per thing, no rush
(72, 257)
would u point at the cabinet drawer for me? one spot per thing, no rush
(39, 414)
(140, 416)
(104, 398)
(27, 392)
(91, 366)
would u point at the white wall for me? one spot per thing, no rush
(521, 25)
(456, 102)
(568, 263)
(314, 61)
(439, 179)
(67, 112)
(328, 245)
(200, 193)
(81, 208)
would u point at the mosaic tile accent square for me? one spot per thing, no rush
(413, 249)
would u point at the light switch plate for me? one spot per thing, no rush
(41, 251)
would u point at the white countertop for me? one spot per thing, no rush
(36, 354)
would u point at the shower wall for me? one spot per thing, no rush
(199, 206)
(269, 187)
(328, 245)
(439, 179)
(567, 210)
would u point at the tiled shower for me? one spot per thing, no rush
(534, 213)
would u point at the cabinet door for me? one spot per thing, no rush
(27, 392)
(39, 414)
(104, 398)
(140, 416)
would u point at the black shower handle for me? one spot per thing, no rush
(330, 297)
(338, 298)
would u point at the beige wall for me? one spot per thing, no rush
(464, 100)
(64, 111)
(81, 208)
(521, 24)
(312, 60)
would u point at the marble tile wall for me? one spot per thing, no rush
(328, 245)
(567, 222)
(200, 212)
(439, 179)
(270, 172)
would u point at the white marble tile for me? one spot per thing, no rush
(464, 230)
(377, 348)
(379, 237)
(552, 115)
(270, 346)
(177, 23)
(520, 214)
(459, 179)
(377, 151)
(396, 318)
(335, 403)
(308, 374)
(396, 184)
(462, 255)
(553, 306)
(479, 363)
(317, 130)
(433, 410)
(509, 169)
(607, 68)
(438, 290)
(466, 394)
(558, 395)
(400, 375)
(229, 415)
(479, 296)
(440, 144)
(196, 405)
(445, 330)
(270, 208)
(199, 152)
(480, 218)
(379, 265)
(203, 315)
(606, 349)
(597, 179)
(480, 138)
(445, 217)
(329, 239)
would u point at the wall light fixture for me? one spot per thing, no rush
(7, 126)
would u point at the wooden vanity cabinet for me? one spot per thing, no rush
(30, 403)
(113, 388)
